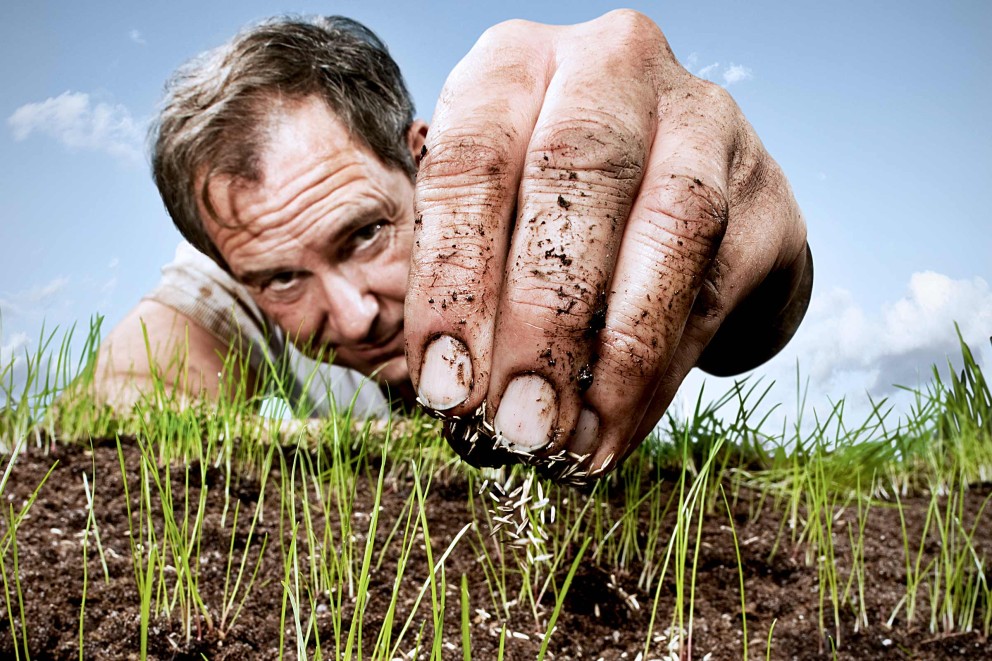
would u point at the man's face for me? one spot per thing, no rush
(323, 241)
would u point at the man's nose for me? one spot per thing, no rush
(351, 309)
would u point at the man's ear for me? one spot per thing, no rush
(415, 137)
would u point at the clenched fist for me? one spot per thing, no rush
(592, 222)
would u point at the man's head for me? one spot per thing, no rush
(287, 156)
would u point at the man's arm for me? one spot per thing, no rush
(156, 343)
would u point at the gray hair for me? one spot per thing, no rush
(214, 116)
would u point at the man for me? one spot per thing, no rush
(584, 223)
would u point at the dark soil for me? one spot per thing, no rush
(598, 620)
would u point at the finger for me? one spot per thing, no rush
(583, 167)
(763, 286)
(698, 337)
(674, 232)
(746, 292)
(466, 188)
(771, 284)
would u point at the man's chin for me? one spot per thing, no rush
(391, 372)
(394, 372)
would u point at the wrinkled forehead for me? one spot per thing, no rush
(237, 152)
(290, 138)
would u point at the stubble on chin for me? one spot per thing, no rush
(394, 371)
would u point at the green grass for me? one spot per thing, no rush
(819, 481)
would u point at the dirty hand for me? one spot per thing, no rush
(592, 222)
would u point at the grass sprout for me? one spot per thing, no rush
(337, 517)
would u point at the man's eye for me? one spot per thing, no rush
(368, 233)
(281, 282)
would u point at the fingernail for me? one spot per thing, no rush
(526, 412)
(586, 433)
(446, 374)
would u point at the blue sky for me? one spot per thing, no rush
(877, 112)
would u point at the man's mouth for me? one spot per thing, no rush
(382, 350)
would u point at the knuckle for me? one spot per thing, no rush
(503, 32)
(556, 305)
(632, 41)
(454, 263)
(751, 176)
(508, 55)
(717, 101)
(598, 144)
(756, 175)
(630, 352)
(699, 210)
(715, 94)
(462, 154)
(626, 23)
(462, 167)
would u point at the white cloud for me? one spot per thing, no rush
(846, 351)
(898, 344)
(136, 36)
(13, 365)
(736, 73)
(12, 349)
(79, 123)
(708, 70)
(41, 295)
(30, 300)
(114, 263)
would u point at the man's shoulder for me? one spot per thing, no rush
(197, 287)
